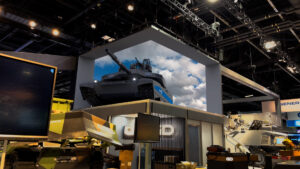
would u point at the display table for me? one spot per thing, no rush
(292, 164)
(222, 160)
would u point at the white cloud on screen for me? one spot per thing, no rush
(185, 79)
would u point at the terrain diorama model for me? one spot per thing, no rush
(136, 83)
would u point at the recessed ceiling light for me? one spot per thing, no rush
(55, 32)
(130, 7)
(32, 24)
(93, 26)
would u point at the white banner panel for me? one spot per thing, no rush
(291, 105)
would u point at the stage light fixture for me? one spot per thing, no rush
(291, 69)
(32, 24)
(55, 32)
(269, 45)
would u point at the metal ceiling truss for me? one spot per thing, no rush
(267, 16)
(193, 18)
(236, 9)
(282, 18)
(237, 38)
(279, 27)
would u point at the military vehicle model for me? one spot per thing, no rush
(136, 83)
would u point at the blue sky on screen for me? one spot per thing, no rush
(185, 78)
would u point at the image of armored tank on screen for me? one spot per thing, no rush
(136, 83)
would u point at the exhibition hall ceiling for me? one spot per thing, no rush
(72, 28)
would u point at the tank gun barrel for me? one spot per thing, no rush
(114, 57)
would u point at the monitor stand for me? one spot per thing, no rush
(3, 154)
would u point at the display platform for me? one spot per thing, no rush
(87, 125)
(185, 135)
(227, 160)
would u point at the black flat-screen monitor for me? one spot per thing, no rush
(26, 91)
(147, 129)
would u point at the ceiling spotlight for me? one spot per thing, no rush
(93, 26)
(55, 32)
(130, 7)
(212, 1)
(269, 45)
(32, 24)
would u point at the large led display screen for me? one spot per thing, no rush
(26, 91)
(184, 77)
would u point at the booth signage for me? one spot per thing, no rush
(164, 94)
(291, 105)
(293, 123)
(165, 130)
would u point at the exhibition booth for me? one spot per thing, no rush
(185, 132)
(175, 123)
